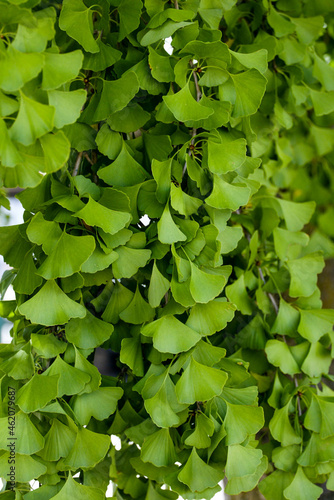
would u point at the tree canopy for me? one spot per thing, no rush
(178, 210)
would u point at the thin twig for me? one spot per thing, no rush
(298, 397)
(270, 295)
(88, 159)
(198, 90)
(176, 4)
(77, 164)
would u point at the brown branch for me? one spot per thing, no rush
(176, 4)
(77, 164)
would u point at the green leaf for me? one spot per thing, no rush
(281, 428)
(129, 261)
(26, 468)
(20, 365)
(116, 94)
(51, 306)
(99, 61)
(162, 32)
(56, 148)
(308, 28)
(314, 323)
(317, 451)
(202, 50)
(129, 13)
(171, 335)
(72, 489)
(204, 428)
(242, 461)
(88, 332)
(225, 195)
(241, 421)
(35, 394)
(131, 355)
(288, 244)
(99, 404)
(34, 38)
(124, 171)
(184, 107)
(323, 102)
(257, 60)
(28, 441)
(33, 120)
(247, 483)
(304, 273)
(248, 89)
(43, 232)
(158, 449)
(211, 317)
(63, 261)
(226, 155)
(47, 346)
(17, 68)
(60, 68)
(160, 66)
(128, 119)
(98, 261)
(274, 484)
(119, 300)
(280, 24)
(182, 202)
(68, 105)
(302, 488)
(9, 154)
(161, 402)
(8, 106)
(237, 294)
(159, 285)
(279, 354)
(138, 311)
(26, 280)
(95, 214)
(168, 231)
(82, 364)
(198, 475)
(71, 380)
(205, 286)
(199, 383)
(59, 441)
(317, 361)
(296, 215)
(287, 320)
(109, 142)
(76, 19)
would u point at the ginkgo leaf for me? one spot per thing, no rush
(26, 280)
(138, 311)
(226, 155)
(57, 308)
(95, 214)
(37, 393)
(88, 332)
(83, 365)
(184, 107)
(17, 68)
(182, 202)
(33, 120)
(72, 489)
(9, 154)
(99, 404)
(116, 94)
(68, 105)
(204, 428)
(98, 261)
(56, 148)
(35, 38)
(168, 232)
(280, 355)
(131, 354)
(120, 298)
(225, 195)
(249, 88)
(99, 61)
(71, 380)
(241, 421)
(281, 428)
(47, 346)
(44, 232)
(129, 261)
(314, 323)
(159, 285)
(76, 19)
(60, 68)
(62, 261)
(242, 461)
(198, 475)
(199, 383)
(205, 286)
(304, 273)
(170, 335)
(28, 441)
(302, 488)
(159, 449)
(26, 468)
(211, 317)
(59, 441)
(124, 171)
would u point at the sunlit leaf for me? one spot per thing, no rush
(76, 19)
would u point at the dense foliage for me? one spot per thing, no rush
(210, 302)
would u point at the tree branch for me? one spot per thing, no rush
(77, 164)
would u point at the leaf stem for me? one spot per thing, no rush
(270, 295)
